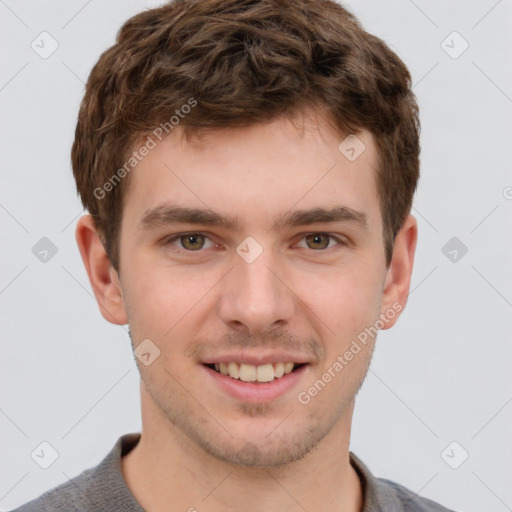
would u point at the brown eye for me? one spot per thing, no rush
(190, 242)
(193, 241)
(318, 241)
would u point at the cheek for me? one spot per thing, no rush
(169, 303)
(344, 299)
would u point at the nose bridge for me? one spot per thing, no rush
(255, 295)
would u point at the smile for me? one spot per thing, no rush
(256, 383)
(252, 373)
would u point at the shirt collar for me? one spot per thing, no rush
(376, 493)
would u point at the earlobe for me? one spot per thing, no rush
(102, 276)
(398, 276)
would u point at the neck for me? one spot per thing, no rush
(168, 472)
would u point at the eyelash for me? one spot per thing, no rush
(169, 241)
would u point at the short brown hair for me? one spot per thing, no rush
(243, 62)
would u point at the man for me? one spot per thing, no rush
(249, 168)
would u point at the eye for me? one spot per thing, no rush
(320, 241)
(191, 242)
(195, 242)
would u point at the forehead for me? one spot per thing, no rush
(258, 173)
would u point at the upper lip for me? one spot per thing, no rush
(256, 359)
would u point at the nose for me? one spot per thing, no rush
(256, 297)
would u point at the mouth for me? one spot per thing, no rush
(256, 383)
(252, 373)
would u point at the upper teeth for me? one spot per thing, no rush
(251, 373)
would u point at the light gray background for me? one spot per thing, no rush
(442, 374)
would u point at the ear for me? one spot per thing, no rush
(102, 275)
(398, 276)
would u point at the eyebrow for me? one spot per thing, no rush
(167, 214)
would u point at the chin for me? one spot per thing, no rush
(260, 454)
(257, 447)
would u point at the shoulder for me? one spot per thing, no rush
(409, 501)
(96, 489)
(383, 494)
(71, 496)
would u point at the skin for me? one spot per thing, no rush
(201, 447)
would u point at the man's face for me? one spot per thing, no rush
(257, 293)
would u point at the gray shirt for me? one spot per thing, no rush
(103, 489)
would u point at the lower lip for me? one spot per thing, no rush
(257, 392)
